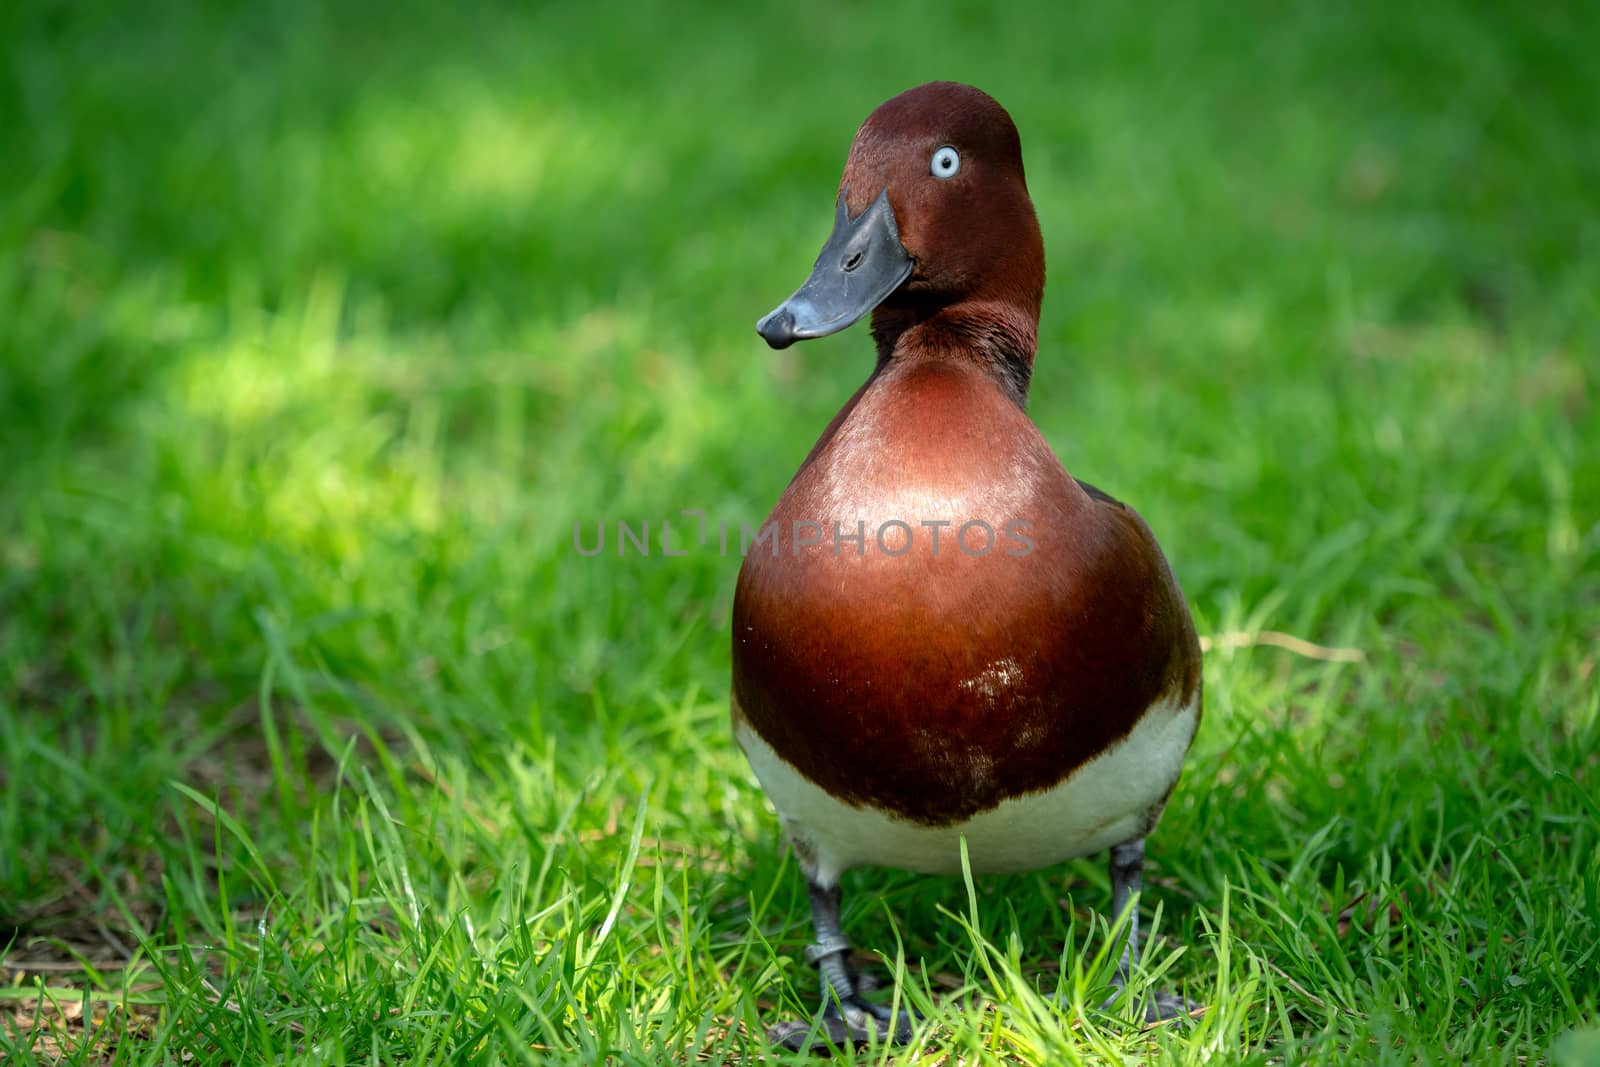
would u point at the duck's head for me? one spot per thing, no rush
(933, 212)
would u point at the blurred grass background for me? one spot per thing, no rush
(319, 329)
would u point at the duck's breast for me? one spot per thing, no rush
(934, 682)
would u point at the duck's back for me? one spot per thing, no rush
(971, 625)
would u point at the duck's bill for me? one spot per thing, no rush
(862, 263)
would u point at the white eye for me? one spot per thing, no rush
(946, 161)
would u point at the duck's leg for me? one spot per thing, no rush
(1127, 874)
(846, 1017)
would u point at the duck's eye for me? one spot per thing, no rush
(945, 163)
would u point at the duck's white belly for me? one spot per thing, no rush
(1104, 802)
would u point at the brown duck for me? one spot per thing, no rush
(942, 634)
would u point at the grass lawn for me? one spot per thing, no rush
(321, 327)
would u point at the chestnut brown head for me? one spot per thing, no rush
(932, 210)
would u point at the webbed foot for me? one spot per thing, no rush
(1159, 1006)
(851, 1021)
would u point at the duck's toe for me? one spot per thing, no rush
(1156, 1006)
(814, 1035)
(1161, 1006)
(854, 1022)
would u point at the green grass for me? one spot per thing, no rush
(319, 330)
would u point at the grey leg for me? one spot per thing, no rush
(846, 1017)
(1127, 876)
(830, 955)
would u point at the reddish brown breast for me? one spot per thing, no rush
(936, 682)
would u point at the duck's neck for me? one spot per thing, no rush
(998, 337)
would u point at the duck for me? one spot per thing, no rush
(946, 650)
